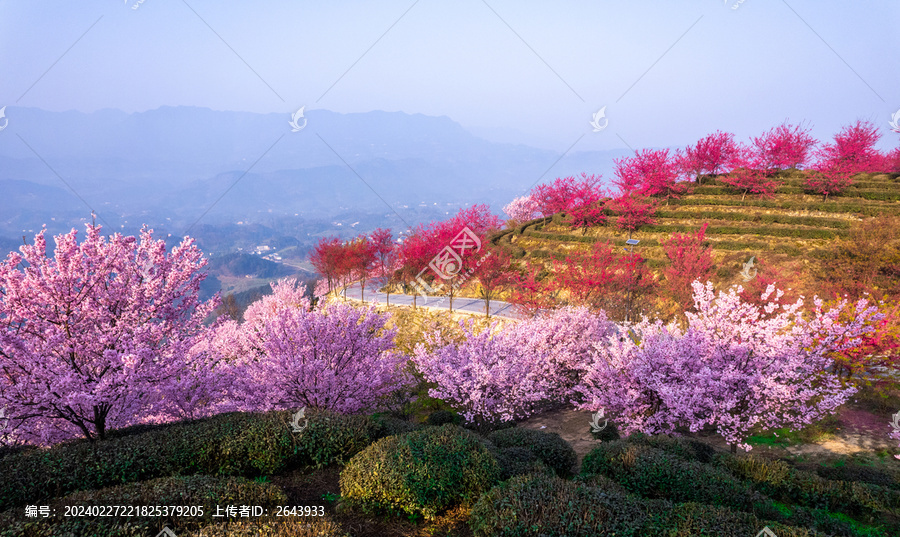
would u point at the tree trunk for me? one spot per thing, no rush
(733, 449)
(487, 306)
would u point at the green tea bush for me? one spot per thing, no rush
(519, 461)
(653, 473)
(548, 447)
(443, 416)
(686, 448)
(862, 473)
(691, 519)
(808, 489)
(422, 472)
(389, 425)
(534, 505)
(240, 444)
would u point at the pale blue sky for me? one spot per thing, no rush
(669, 72)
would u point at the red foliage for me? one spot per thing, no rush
(633, 210)
(689, 260)
(892, 161)
(853, 147)
(494, 274)
(829, 177)
(707, 156)
(650, 173)
(877, 349)
(765, 274)
(326, 257)
(531, 293)
(602, 279)
(386, 259)
(748, 175)
(785, 146)
(567, 193)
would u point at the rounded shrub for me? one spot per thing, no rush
(441, 417)
(607, 434)
(239, 444)
(536, 504)
(548, 447)
(388, 425)
(519, 461)
(686, 448)
(690, 519)
(654, 473)
(421, 472)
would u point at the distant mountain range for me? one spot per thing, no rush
(166, 167)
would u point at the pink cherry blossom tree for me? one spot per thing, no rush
(100, 335)
(522, 209)
(736, 366)
(286, 355)
(487, 377)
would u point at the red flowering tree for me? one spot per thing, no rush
(689, 260)
(709, 155)
(602, 279)
(495, 274)
(829, 177)
(650, 173)
(748, 175)
(567, 193)
(786, 146)
(435, 257)
(853, 149)
(96, 336)
(386, 260)
(532, 290)
(633, 211)
(326, 257)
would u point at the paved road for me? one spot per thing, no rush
(462, 304)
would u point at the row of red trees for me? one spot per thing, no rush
(745, 168)
(437, 258)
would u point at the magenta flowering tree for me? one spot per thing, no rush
(99, 336)
(736, 366)
(651, 173)
(487, 377)
(786, 146)
(709, 155)
(853, 149)
(285, 355)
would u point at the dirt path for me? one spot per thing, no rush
(858, 432)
